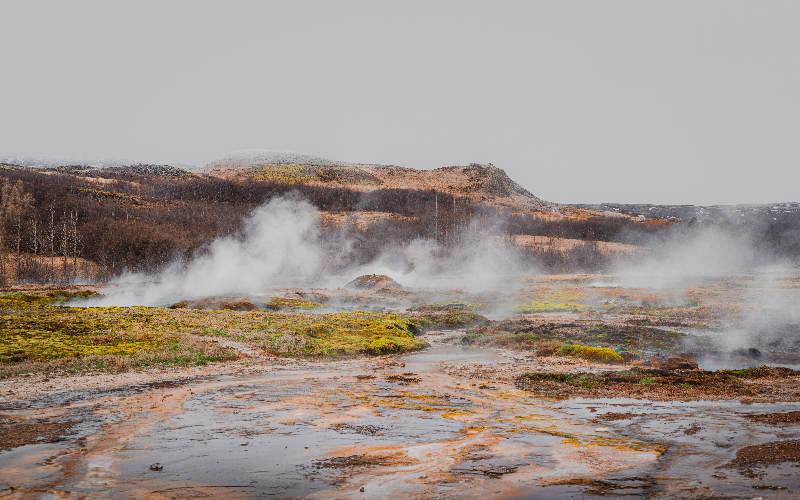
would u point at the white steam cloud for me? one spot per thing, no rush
(278, 240)
(282, 239)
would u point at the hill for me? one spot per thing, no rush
(485, 184)
(104, 220)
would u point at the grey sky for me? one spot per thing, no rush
(654, 102)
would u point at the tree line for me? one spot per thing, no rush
(63, 227)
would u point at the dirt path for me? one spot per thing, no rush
(408, 427)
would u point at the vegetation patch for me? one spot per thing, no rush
(599, 354)
(449, 320)
(50, 297)
(446, 307)
(762, 372)
(630, 341)
(117, 338)
(280, 304)
(653, 384)
(547, 306)
(299, 174)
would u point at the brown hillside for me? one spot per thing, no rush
(483, 184)
(144, 217)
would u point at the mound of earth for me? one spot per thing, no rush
(373, 282)
(213, 303)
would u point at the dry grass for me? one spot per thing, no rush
(544, 243)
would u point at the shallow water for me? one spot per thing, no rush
(319, 431)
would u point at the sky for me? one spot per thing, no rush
(672, 102)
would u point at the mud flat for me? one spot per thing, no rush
(509, 408)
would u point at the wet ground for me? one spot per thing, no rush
(398, 427)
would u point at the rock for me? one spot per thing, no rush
(673, 364)
(361, 489)
(156, 467)
(373, 282)
(751, 353)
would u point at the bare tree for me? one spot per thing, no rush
(64, 250)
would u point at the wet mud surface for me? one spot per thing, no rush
(423, 425)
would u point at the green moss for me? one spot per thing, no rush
(599, 354)
(450, 320)
(36, 332)
(280, 304)
(446, 307)
(50, 297)
(547, 306)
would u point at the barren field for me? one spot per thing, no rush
(573, 386)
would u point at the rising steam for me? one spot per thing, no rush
(278, 239)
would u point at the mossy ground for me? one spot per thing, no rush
(279, 304)
(658, 384)
(599, 354)
(446, 307)
(33, 331)
(548, 306)
(639, 341)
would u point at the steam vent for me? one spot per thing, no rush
(373, 282)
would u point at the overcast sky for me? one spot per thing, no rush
(684, 102)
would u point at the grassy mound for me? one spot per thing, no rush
(280, 304)
(34, 331)
(599, 354)
(547, 306)
(449, 320)
(437, 307)
(531, 334)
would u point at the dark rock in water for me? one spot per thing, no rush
(373, 282)
(673, 364)
(751, 353)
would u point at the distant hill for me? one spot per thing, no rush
(484, 184)
(45, 161)
(779, 212)
(102, 218)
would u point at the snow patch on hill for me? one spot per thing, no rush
(253, 157)
(46, 161)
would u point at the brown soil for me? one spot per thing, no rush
(373, 282)
(792, 417)
(766, 384)
(14, 433)
(771, 453)
(672, 364)
(404, 378)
